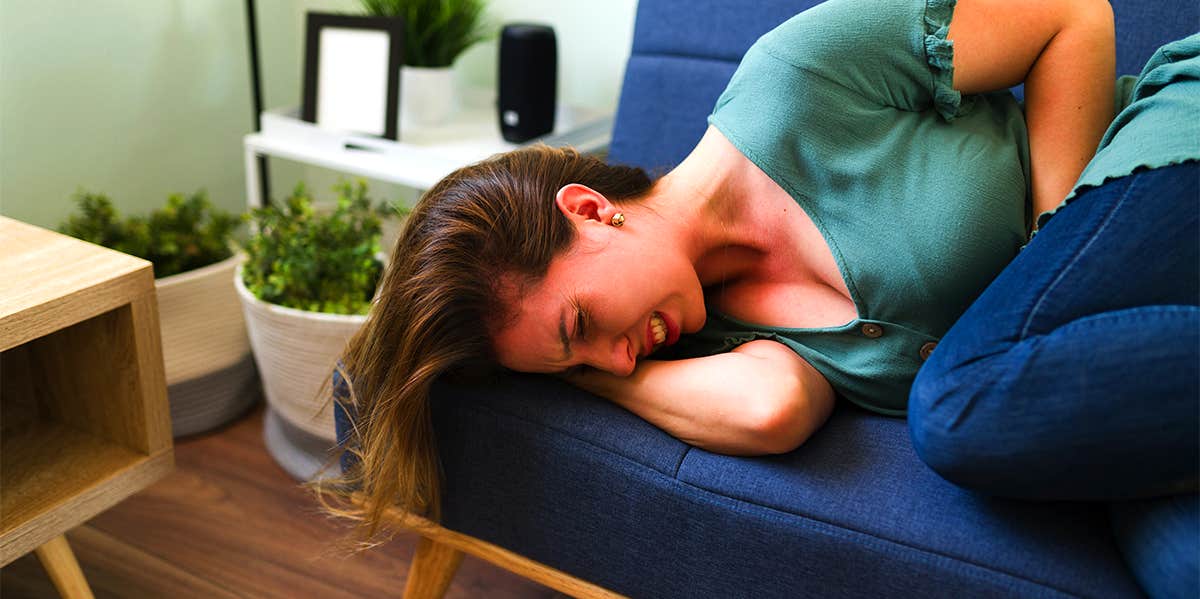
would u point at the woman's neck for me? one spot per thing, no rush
(707, 202)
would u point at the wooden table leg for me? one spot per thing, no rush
(432, 569)
(60, 564)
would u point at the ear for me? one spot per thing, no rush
(582, 203)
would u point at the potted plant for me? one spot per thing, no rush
(436, 32)
(306, 287)
(206, 353)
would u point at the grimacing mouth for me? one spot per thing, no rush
(658, 326)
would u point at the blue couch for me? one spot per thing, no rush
(581, 485)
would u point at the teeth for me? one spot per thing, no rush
(659, 328)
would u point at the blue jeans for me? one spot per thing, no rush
(1076, 374)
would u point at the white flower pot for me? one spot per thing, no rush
(296, 351)
(206, 352)
(303, 456)
(427, 97)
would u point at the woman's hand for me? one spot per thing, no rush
(760, 398)
(1064, 52)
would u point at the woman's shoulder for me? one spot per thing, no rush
(844, 31)
(868, 53)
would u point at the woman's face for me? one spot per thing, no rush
(614, 297)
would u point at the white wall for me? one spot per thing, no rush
(141, 98)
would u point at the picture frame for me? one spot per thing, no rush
(352, 73)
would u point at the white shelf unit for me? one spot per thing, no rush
(423, 156)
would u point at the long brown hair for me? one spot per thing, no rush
(437, 305)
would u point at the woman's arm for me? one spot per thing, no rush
(1064, 52)
(760, 398)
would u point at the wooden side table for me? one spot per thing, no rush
(85, 420)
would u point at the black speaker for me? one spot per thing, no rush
(528, 81)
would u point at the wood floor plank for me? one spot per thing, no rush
(229, 522)
(116, 569)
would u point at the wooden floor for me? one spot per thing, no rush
(228, 522)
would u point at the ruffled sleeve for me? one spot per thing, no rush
(939, 56)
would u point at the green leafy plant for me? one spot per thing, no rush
(435, 31)
(312, 260)
(186, 234)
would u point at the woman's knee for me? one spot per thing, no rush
(976, 420)
(1009, 422)
(947, 419)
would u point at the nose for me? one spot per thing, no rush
(616, 357)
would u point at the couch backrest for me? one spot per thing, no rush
(685, 51)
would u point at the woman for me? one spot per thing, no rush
(852, 196)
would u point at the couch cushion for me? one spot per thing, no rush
(860, 473)
(1144, 26)
(684, 91)
(718, 29)
(582, 485)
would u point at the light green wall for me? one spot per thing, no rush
(141, 98)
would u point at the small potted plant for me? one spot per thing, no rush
(209, 371)
(306, 287)
(436, 32)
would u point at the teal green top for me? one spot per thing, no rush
(920, 193)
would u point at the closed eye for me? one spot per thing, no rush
(582, 320)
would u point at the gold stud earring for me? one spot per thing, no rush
(617, 220)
